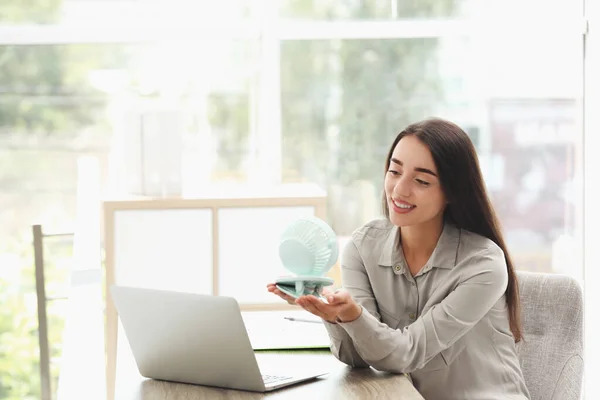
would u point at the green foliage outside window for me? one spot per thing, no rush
(342, 102)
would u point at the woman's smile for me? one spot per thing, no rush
(402, 207)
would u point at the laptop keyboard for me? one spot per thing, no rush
(271, 379)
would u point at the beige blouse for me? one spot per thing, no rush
(447, 326)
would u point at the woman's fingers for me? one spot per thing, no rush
(338, 297)
(273, 289)
(310, 307)
(315, 306)
(286, 297)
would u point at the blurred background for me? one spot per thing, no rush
(182, 98)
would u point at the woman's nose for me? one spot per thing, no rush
(402, 187)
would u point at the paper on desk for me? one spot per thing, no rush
(271, 331)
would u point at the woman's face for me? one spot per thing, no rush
(412, 187)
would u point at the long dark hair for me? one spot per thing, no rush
(469, 206)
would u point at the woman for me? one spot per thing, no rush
(430, 290)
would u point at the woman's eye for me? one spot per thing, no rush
(422, 182)
(391, 171)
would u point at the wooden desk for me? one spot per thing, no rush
(342, 382)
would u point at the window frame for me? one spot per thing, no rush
(591, 198)
(271, 30)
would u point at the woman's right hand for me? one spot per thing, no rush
(273, 289)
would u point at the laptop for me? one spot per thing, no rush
(196, 339)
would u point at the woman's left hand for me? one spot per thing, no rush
(340, 306)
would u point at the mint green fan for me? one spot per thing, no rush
(308, 249)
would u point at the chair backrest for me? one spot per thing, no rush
(551, 354)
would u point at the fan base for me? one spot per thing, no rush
(297, 286)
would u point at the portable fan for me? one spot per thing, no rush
(308, 249)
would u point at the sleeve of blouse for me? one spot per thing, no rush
(356, 281)
(482, 284)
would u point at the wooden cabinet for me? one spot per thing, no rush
(212, 245)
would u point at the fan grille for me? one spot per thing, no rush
(319, 243)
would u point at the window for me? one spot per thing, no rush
(185, 98)
(344, 101)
